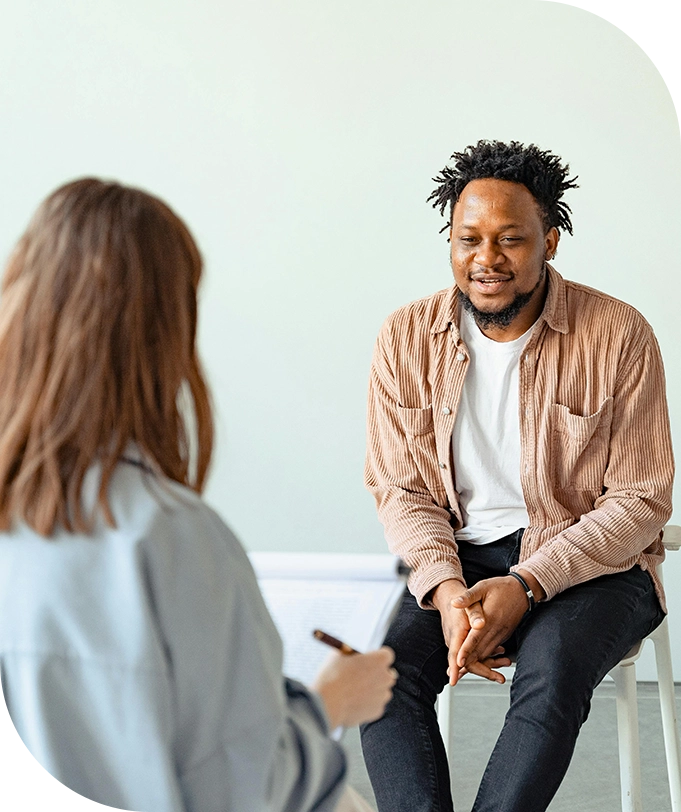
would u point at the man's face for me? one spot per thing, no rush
(498, 249)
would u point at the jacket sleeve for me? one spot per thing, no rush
(417, 528)
(635, 502)
(244, 738)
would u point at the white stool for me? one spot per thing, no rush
(624, 676)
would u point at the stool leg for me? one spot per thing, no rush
(665, 682)
(444, 716)
(627, 734)
(445, 720)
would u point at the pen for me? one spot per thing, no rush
(334, 642)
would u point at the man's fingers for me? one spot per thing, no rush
(454, 648)
(483, 670)
(479, 645)
(453, 668)
(476, 616)
(479, 648)
(468, 649)
(467, 598)
(487, 668)
(497, 662)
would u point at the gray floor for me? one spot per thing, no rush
(592, 782)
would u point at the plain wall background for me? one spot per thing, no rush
(298, 139)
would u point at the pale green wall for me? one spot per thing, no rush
(298, 139)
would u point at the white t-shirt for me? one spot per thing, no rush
(486, 438)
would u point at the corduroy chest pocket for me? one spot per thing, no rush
(580, 446)
(416, 421)
(419, 429)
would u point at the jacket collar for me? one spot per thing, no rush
(555, 306)
(554, 312)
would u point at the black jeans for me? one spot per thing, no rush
(564, 648)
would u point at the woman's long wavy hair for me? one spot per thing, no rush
(98, 319)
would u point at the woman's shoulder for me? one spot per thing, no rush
(153, 509)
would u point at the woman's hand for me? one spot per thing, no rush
(356, 688)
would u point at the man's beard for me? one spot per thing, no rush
(500, 319)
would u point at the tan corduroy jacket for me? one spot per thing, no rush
(596, 454)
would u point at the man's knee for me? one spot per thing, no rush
(555, 698)
(420, 651)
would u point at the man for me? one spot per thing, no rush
(519, 452)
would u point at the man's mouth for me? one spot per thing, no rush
(489, 284)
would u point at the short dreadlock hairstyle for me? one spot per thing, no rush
(539, 170)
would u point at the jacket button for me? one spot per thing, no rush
(446, 410)
(460, 356)
(442, 465)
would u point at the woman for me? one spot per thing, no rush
(138, 661)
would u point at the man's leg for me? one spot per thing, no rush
(403, 750)
(565, 648)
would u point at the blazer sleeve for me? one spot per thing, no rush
(245, 738)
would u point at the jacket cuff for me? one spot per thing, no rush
(424, 580)
(549, 574)
(296, 690)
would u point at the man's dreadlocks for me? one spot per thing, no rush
(539, 170)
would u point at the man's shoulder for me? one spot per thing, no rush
(431, 313)
(586, 304)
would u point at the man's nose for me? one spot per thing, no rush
(488, 254)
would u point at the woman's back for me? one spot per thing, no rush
(117, 654)
(138, 661)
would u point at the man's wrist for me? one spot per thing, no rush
(444, 592)
(534, 585)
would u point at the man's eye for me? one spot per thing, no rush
(467, 239)
(511, 239)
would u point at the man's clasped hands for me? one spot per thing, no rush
(476, 621)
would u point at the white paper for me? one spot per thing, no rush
(351, 597)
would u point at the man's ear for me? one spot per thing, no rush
(551, 241)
